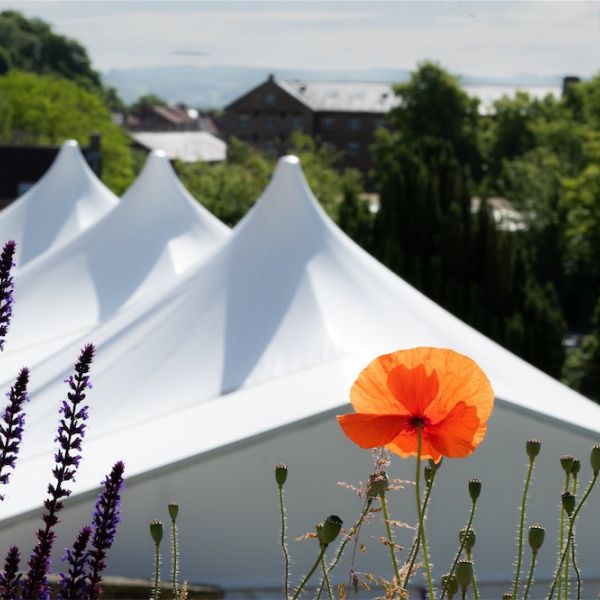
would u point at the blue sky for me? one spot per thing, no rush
(471, 38)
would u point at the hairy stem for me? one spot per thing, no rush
(570, 533)
(284, 548)
(561, 536)
(530, 576)
(420, 512)
(390, 537)
(174, 558)
(310, 573)
(156, 586)
(416, 545)
(326, 580)
(516, 582)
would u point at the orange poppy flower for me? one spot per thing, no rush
(442, 391)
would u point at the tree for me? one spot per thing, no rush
(31, 45)
(45, 109)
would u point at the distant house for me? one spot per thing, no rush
(177, 117)
(187, 146)
(21, 166)
(344, 115)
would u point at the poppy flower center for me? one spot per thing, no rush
(416, 422)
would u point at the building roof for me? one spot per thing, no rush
(188, 146)
(379, 97)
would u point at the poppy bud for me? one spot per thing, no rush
(576, 467)
(378, 484)
(281, 472)
(469, 538)
(474, 489)
(595, 459)
(533, 448)
(449, 584)
(568, 502)
(507, 596)
(173, 510)
(566, 462)
(428, 473)
(464, 573)
(156, 531)
(331, 529)
(536, 537)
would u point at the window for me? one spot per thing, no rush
(354, 124)
(244, 120)
(328, 123)
(270, 98)
(353, 149)
(297, 123)
(269, 122)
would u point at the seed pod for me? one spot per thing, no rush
(156, 531)
(536, 537)
(595, 459)
(532, 447)
(464, 573)
(281, 473)
(331, 528)
(173, 510)
(378, 484)
(450, 584)
(568, 502)
(474, 489)
(566, 462)
(468, 536)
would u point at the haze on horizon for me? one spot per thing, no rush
(493, 39)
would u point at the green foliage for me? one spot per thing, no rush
(146, 101)
(44, 109)
(31, 45)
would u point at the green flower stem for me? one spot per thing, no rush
(530, 576)
(561, 538)
(570, 534)
(474, 580)
(353, 532)
(416, 545)
(390, 537)
(516, 581)
(566, 567)
(156, 586)
(576, 568)
(310, 573)
(462, 544)
(326, 580)
(283, 544)
(174, 558)
(420, 512)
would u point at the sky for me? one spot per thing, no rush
(484, 38)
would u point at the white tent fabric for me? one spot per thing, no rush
(66, 201)
(156, 233)
(242, 364)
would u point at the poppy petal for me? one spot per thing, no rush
(405, 444)
(413, 387)
(371, 431)
(456, 435)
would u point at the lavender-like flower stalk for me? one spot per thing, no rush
(6, 288)
(70, 435)
(11, 426)
(72, 584)
(10, 577)
(107, 516)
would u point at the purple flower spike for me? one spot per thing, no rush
(106, 518)
(11, 426)
(10, 578)
(72, 585)
(6, 288)
(70, 435)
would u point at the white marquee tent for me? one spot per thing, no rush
(67, 200)
(203, 387)
(148, 241)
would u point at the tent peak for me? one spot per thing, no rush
(70, 144)
(289, 159)
(158, 154)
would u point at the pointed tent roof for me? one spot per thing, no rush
(155, 234)
(67, 200)
(270, 331)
